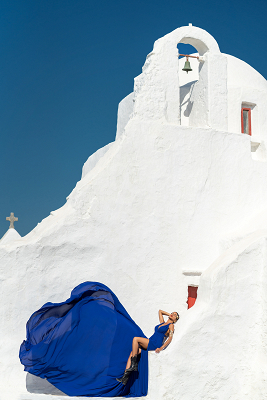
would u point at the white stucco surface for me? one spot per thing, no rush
(10, 236)
(125, 110)
(175, 201)
(94, 158)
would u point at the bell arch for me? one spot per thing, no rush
(208, 96)
(197, 37)
(200, 46)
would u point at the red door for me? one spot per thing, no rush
(192, 296)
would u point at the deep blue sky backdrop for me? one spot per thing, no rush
(65, 66)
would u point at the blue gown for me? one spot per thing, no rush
(157, 339)
(82, 345)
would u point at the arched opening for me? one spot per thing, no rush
(187, 80)
(186, 48)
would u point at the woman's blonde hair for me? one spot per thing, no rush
(178, 316)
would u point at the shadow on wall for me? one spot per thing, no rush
(188, 109)
(35, 384)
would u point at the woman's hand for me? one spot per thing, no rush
(164, 313)
(161, 313)
(158, 350)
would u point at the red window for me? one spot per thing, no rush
(192, 296)
(246, 120)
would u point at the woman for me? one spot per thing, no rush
(158, 341)
(82, 345)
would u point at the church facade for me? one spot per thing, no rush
(176, 202)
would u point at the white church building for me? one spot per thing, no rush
(177, 201)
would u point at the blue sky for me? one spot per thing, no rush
(65, 66)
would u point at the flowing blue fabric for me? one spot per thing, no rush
(82, 345)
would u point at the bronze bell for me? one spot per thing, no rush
(187, 66)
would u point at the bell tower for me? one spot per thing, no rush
(157, 89)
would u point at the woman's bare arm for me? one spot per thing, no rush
(161, 313)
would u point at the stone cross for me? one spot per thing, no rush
(12, 219)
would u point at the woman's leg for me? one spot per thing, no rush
(129, 359)
(132, 363)
(139, 342)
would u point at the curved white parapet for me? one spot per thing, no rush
(219, 348)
